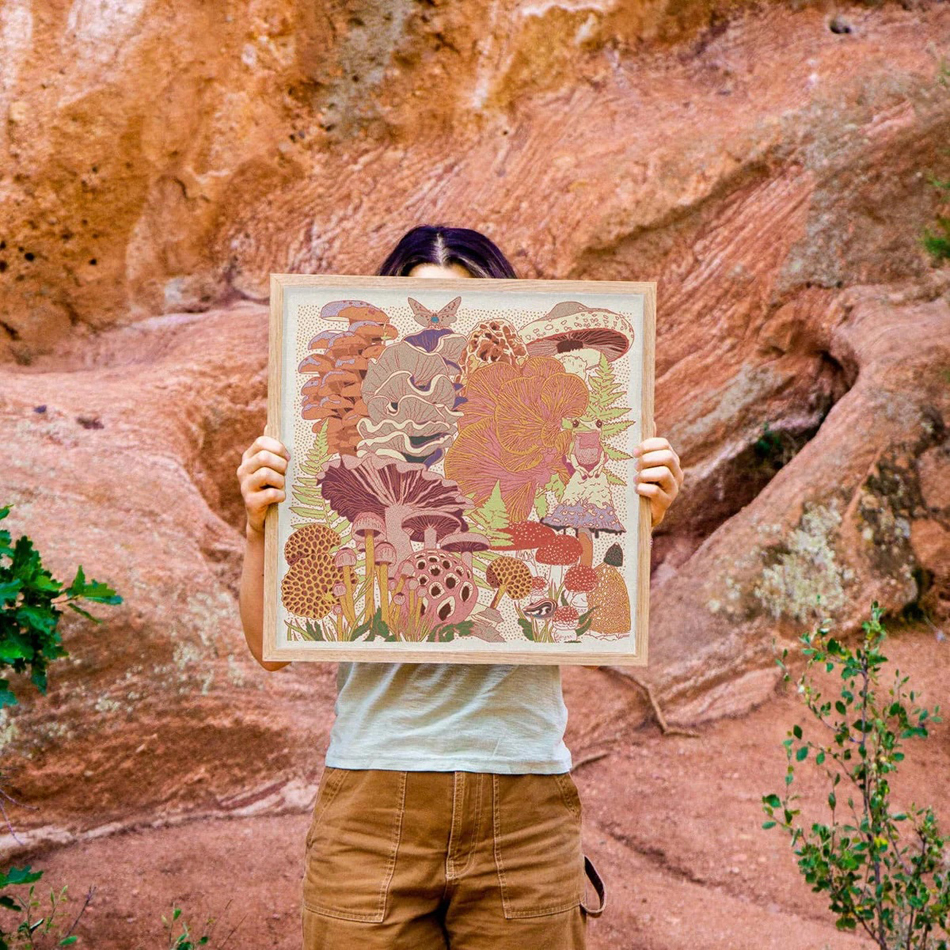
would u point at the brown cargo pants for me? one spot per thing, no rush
(436, 860)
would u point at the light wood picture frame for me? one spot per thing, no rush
(461, 486)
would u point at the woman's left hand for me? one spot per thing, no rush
(659, 475)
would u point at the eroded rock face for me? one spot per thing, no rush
(766, 171)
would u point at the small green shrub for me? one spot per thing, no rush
(30, 607)
(883, 870)
(188, 941)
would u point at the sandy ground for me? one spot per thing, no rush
(673, 823)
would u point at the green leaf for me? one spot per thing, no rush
(615, 428)
(772, 800)
(491, 514)
(616, 455)
(769, 824)
(614, 479)
(20, 876)
(526, 628)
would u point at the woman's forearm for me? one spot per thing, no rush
(251, 597)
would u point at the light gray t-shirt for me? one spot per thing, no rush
(443, 717)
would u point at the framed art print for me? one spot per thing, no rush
(461, 487)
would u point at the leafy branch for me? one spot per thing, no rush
(891, 882)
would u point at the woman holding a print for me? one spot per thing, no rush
(446, 816)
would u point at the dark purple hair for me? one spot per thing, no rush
(433, 244)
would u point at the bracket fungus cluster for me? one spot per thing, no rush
(335, 367)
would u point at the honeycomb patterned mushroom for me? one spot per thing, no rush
(509, 575)
(493, 341)
(312, 540)
(609, 602)
(307, 588)
(446, 591)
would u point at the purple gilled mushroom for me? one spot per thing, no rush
(390, 489)
(465, 543)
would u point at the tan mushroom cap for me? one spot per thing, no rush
(511, 573)
(609, 602)
(307, 588)
(310, 540)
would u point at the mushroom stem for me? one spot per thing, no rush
(430, 538)
(587, 545)
(498, 595)
(370, 599)
(348, 608)
(383, 577)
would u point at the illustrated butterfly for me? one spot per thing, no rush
(435, 318)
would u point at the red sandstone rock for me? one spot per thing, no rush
(766, 172)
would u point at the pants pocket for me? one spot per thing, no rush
(537, 844)
(352, 844)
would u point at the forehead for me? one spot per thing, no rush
(439, 270)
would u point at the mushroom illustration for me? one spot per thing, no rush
(442, 590)
(406, 570)
(465, 543)
(336, 365)
(307, 588)
(310, 540)
(346, 560)
(578, 335)
(367, 526)
(580, 579)
(526, 536)
(609, 602)
(560, 552)
(492, 341)
(392, 490)
(431, 526)
(566, 616)
(385, 555)
(511, 575)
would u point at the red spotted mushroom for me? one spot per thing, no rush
(580, 579)
(560, 552)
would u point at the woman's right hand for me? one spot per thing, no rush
(261, 475)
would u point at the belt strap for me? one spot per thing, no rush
(598, 883)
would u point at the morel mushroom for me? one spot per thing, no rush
(609, 602)
(510, 575)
